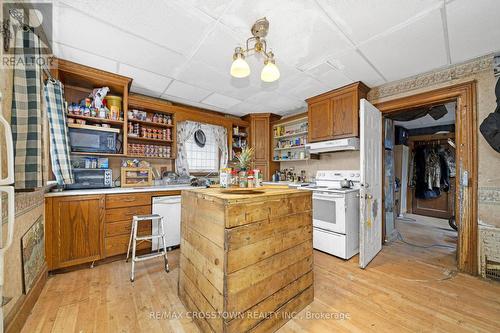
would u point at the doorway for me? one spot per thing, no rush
(464, 95)
(420, 171)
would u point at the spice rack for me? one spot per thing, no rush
(131, 177)
(239, 139)
(289, 140)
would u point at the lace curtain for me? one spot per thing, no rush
(220, 134)
(185, 130)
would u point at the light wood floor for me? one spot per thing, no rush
(405, 289)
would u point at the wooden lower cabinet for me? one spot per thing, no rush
(85, 228)
(74, 230)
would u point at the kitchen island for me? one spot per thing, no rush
(246, 259)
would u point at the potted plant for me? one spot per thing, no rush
(244, 161)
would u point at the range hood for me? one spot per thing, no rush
(333, 145)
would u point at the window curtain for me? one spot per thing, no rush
(185, 130)
(27, 112)
(220, 134)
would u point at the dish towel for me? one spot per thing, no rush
(26, 120)
(59, 143)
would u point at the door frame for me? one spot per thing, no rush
(466, 160)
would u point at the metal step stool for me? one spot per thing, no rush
(162, 251)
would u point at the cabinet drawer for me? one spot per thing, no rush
(118, 245)
(123, 228)
(127, 200)
(124, 214)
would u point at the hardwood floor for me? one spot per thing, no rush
(405, 289)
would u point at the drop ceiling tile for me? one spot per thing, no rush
(355, 67)
(415, 49)
(246, 107)
(143, 91)
(145, 80)
(84, 58)
(187, 91)
(302, 86)
(362, 20)
(217, 49)
(473, 28)
(331, 77)
(298, 31)
(221, 101)
(276, 101)
(170, 24)
(213, 8)
(83, 32)
(190, 102)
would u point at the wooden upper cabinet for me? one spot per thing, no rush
(260, 138)
(74, 229)
(335, 114)
(320, 121)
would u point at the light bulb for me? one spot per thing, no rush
(240, 67)
(270, 72)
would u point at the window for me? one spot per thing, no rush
(204, 159)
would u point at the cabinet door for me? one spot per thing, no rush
(345, 115)
(260, 138)
(77, 225)
(320, 121)
(264, 168)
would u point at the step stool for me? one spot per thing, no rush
(162, 251)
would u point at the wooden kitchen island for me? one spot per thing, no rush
(246, 259)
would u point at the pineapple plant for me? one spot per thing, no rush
(245, 158)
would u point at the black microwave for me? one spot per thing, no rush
(99, 140)
(91, 178)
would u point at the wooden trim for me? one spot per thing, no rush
(340, 91)
(466, 160)
(293, 118)
(16, 318)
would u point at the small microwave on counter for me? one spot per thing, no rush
(91, 179)
(94, 140)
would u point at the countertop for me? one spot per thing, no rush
(263, 194)
(120, 190)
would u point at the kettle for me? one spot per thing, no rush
(346, 183)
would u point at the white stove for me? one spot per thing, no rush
(336, 212)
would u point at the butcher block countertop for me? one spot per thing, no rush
(246, 258)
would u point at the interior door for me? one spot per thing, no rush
(370, 231)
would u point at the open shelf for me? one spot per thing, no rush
(150, 123)
(291, 135)
(291, 160)
(95, 119)
(149, 157)
(290, 148)
(138, 138)
(96, 154)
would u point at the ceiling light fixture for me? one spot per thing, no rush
(240, 68)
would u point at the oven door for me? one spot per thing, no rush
(329, 211)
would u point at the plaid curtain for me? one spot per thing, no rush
(59, 143)
(26, 120)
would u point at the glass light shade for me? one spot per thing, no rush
(240, 68)
(270, 72)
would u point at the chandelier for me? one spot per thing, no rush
(240, 67)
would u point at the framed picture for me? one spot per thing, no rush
(32, 254)
(496, 65)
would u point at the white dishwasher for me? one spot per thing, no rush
(169, 207)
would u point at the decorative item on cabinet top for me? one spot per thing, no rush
(289, 140)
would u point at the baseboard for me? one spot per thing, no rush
(16, 319)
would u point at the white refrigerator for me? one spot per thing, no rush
(6, 194)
